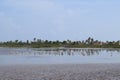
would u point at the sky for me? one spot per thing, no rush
(59, 19)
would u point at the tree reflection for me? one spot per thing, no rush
(63, 52)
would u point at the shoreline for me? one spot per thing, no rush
(58, 48)
(109, 71)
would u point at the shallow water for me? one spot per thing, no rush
(10, 56)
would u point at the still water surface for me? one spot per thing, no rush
(10, 56)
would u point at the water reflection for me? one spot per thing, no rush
(58, 55)
(58, 52)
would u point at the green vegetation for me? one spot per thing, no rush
(38, 43)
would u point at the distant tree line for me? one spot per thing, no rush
(38, 43)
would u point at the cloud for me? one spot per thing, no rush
(52, 19)
(7, 27)
(40, 15)
(34, 5)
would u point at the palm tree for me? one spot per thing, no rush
(27, 41)
(16, 41)
(34, 39)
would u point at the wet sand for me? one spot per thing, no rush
(61, 72)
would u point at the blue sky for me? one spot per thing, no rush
(59, 19)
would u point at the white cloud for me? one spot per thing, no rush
(50, 19)
(6, 22)
(39, 15)
(31, 4)
(7, 27)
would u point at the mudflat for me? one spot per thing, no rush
(61, 72)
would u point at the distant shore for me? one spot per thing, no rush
(61, 72)
(62, 47)
(38, 43)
